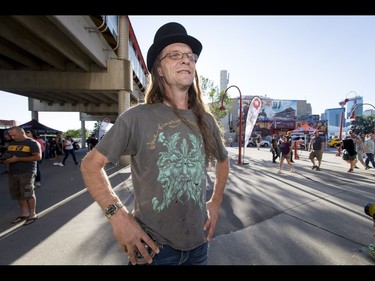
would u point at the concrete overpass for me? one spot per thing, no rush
(90, 64)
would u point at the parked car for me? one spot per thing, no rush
(334, 142)
(263, 143)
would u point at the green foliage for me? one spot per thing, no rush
(96, 128)
(220, 106)
(365, 124)
(75, 133)
(72, 133)
(215, 98)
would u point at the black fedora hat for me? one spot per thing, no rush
(170, 33)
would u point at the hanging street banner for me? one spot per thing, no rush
(252, 116)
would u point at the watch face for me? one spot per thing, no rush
(112, 209)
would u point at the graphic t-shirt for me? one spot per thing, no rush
(23, 149)
(168, 171)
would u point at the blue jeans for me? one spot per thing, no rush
(170, 256)
(370, 158)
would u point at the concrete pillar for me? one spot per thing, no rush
(83, 134)
(34, 115)
(123, 53)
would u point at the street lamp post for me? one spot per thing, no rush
(342, 118)
(222, 107)
(342, 104)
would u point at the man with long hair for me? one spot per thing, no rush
(171, 139)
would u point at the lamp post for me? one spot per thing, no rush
(222, 107)
(342, 104)
(342, 118)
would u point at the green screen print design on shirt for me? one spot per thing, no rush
(181, 171)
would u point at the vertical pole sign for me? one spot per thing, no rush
(252, 116)
(104, 127)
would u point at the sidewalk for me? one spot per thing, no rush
(305, 218)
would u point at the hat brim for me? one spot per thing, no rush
(157, 47)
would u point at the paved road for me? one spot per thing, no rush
(305, 218)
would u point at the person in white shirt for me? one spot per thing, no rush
(369, 148)
(69, 149)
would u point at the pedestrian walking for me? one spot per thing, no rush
(286, 149)
(316, 150)
(69, 150)
(59, 147)
(275, 150)
(369, 148)
(349, 154)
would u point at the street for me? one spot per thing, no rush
(305, 218)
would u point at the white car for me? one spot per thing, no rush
(263, 143)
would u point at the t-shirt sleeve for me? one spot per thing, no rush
(121, 139)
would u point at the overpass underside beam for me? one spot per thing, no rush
(118, 76)
(93, 92)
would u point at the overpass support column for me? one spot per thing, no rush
(123, 54)
(83, 134)
(34, 115)
(123, 104)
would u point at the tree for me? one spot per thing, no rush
(96, 128)
(72, 133)
(75, 133)
(215, 97)
(365, 124)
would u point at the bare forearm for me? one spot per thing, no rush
(96, 180)
(14, 158)
(127, 231)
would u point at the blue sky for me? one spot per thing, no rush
(321, 59)
(315, 58)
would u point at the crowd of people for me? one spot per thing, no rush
(23, 173)
(356, 148)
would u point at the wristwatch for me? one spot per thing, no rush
(112, 209)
